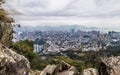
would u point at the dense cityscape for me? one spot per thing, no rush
(52, 42)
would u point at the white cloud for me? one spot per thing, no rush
(67, 11)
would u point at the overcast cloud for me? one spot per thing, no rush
(55, 12)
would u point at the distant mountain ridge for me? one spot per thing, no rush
(55, 28)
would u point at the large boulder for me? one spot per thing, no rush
(49, 70)
(110, 66)
(66, 69)
(61, 69)
(12, 63)
(90, 71)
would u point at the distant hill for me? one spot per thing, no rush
(55, 28)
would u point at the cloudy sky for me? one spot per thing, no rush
(98, 13)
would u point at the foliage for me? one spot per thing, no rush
(112, 50)
(77, 63)
(24, 46)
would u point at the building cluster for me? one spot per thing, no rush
(56, 41)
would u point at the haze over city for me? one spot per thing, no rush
(91, 13)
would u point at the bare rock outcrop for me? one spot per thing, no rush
(61, 69)
(12, 63)
(110, 66)
(90, 71)
(6, 29)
